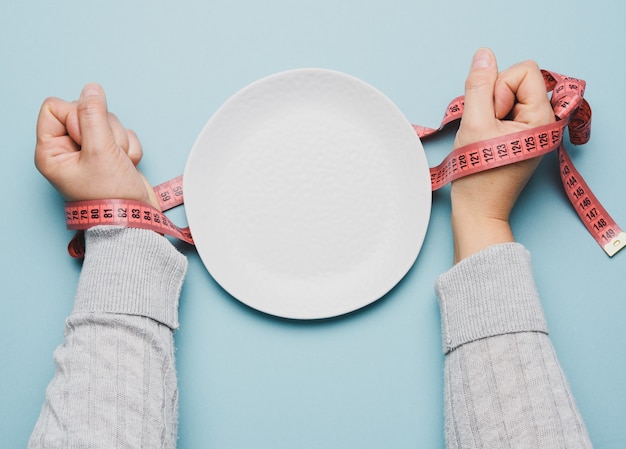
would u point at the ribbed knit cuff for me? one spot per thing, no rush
(489, 293)
(130, 271)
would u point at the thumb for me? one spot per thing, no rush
(479, 110)
(93, 120)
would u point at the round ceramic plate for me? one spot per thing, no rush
(308, 194)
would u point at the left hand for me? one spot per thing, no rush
(86, 153)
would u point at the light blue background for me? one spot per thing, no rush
(372, 379)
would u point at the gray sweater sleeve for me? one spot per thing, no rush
(115, 379)
(504, 387)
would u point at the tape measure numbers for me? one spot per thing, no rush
(497, 152)
(593, 215)
(570, 108)
(81, 215)
(170, 193)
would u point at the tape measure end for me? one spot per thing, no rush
(616, 244)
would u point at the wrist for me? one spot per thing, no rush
(473, 233)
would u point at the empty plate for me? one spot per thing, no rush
(308, 194)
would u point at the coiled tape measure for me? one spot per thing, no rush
(570, 108)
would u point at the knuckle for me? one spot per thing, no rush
(49, 106)
(88, 109)
(132, 135)
(479, 81)
(475, 82)
(49, 102)
(530, 65)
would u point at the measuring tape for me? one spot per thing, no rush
(81, 215)
(570, 108)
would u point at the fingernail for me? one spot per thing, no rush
(90, 91)
(482, 59)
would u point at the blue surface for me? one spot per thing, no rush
(368, 380)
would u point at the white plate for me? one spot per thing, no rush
(308, 194)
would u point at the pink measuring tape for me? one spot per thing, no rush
(570, 108)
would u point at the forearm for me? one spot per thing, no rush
(474, 233)
(115, 379)
(503, 383)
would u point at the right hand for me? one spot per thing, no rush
(86, 153)
(496, 104)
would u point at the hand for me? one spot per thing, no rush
(86, 153)
(495, 104)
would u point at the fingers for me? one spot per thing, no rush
(135, 150)
(93, 117)
(103, 127)
(84, 121)
(52, 137)
(120, 133)
(478, 111)
(520, 92)
(501, 103)
(53, 117)
(126, 139)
